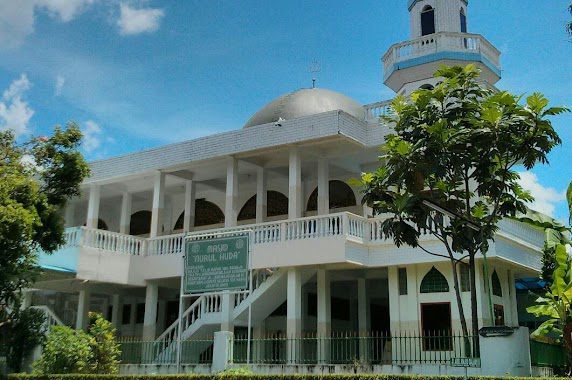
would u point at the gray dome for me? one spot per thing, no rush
(305, 102)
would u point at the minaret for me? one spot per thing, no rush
(438, 37)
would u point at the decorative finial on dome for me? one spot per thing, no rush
(313, 68)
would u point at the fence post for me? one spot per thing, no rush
(222, 350)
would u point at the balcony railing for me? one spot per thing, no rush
(353, 227)
(437, 43)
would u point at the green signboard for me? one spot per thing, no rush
(216, 264)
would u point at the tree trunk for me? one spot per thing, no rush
(460, 305)
(474, 314)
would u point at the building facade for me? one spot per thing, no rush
(320, 264)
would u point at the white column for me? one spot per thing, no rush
(116, 309)
(323, 187)
(125, 219)
(261, 195)
(70, 214)
(513, 321)
(231, 204)
(324, 326)
(258, 346)
(190, 201)
(294, 184)
(83, 310)
(150, 319)
(362, 319)
(158, 204)
(294, 313)
(93, 206)
(27, 298)
(227, 307)
(393, 290)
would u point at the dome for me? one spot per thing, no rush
(305, 102)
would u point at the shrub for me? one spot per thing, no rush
(66, 351)
(104, 347)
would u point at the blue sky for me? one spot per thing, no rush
(141, 73)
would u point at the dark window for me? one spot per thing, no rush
(206, 213)
(427, 86)
(276, 204)
(497, 289)
(427, 21)
(140, 313)
(434, 282)
(499, 315)
(340, 194)
(140, 223)
(340, 309)
(312, 304)
(465, 277)
(109, 312)
(280, 311)
(402, 279)
(463, 21)
(101, 225)
(126, 318)
(436, 322)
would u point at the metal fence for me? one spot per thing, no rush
(135, 351)
(547, 355)
(352, 348)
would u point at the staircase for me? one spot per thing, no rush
(203, 317)
(51, 318)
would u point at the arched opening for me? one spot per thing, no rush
(140, 223)
(206, 213)
(495, 284)
(101, 225)
(426, 86)
(427, 20)
(341, 195)
(434, 282)
(463, 18)
(276, 204)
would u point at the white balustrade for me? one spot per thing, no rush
(51, 318)
(166, 245)
(112, 241)
(441, 42)
(374, 111)
(314, 227)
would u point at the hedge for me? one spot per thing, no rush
(224, 376)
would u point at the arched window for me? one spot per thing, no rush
(206, 213)
(463, 17)
(140, 223)
(434, 282)
(427, 21)
(426, 86)
(340, 194)
(276, 204)
(495, 284)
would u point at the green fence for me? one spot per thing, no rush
(351, 348)
(157, 352)
(547, 355)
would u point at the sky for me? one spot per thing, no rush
(136, 74)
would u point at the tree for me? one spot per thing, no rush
(557, 303)
(25, 332)
(38, 178)
(105, 349)
(454, 148)
(66, 351)
(75, 351)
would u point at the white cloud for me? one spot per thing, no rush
(60, 81)
(17, 16)
(545, 198)
(135, 21)
(91, 136)
(16, 21)
(15, 113)
(64, 10)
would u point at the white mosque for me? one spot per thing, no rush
(329, 290)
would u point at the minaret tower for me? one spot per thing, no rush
(438, 37)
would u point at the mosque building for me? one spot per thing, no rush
(321, 267)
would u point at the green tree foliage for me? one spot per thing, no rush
(105, 349)
(75, 351)
(24, 333)
(557, 302)
(37, 179)
(456, 147)
(66, 351)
